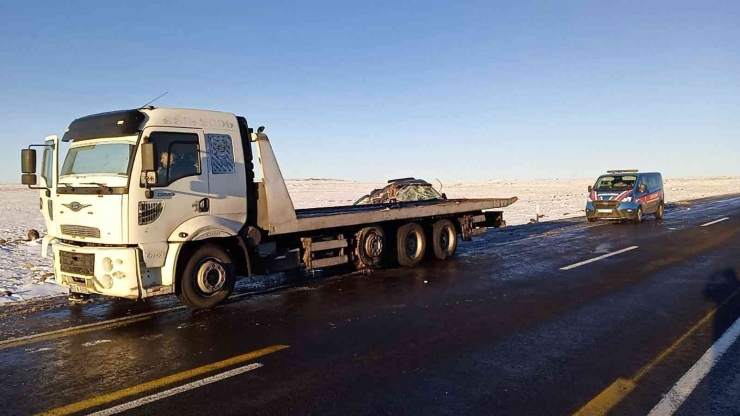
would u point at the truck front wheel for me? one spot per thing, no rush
(208, 278)
(410, 244)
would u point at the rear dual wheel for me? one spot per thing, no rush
(369, 248)
(444, 239)
(410, 244)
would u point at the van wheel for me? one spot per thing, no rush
(591, 219)
(208, 279)
(638, 219)
(369, 248)
(444, 239)
(661, 210)
(410, 244)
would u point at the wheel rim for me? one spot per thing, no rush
(446, 238)
(211, 276)
(639, 214)
(373, 245)
(412, 244)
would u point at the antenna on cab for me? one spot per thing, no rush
(166, 92)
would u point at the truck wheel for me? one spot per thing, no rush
(410, 244)
(638, 219)
(444, 239)
(369, 248)
(208, 278)
(661, 210)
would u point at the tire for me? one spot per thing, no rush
(208, 279)
(444, 239)
(370, 248)
(660, 212)
(410, 244)
(591, 219)
(639, 217)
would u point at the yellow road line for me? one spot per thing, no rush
(159, 383)
(612, 395)
(61, 334)
(617, 391)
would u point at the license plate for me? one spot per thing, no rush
(605, 211)
(79, 289)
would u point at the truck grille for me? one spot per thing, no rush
(80, 231)
(77, 263)
(149, 211)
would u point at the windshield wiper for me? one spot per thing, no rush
(100, 185)
(68, 186)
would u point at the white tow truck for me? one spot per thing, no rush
(156, 201)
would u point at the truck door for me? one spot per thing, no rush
(227, 186)
(49, 173)
(182, 177)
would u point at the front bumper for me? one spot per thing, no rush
(612, 211)
(110, 271)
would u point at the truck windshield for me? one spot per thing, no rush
(98, 159)
(624, 182)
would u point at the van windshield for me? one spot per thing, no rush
(623, 182)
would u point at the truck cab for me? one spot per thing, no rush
(117, 226)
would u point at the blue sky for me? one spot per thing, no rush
(373, 90)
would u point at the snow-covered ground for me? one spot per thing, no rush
(26, 275)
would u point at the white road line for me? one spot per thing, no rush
(90, 325)
(177, 390)
(678, 394)
(714, 222)
(573, 266)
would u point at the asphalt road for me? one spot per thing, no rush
(499, 329)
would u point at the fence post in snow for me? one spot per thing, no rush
(537, 212)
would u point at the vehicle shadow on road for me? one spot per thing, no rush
(713, 393)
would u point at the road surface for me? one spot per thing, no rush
(555, 318)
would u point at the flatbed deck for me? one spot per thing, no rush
(343, 216)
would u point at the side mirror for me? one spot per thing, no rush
(29, 179)
(28, 161)
(642, 188)
(590, 188)
(147, 157)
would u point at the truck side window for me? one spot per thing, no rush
(178, 156)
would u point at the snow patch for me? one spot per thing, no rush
(93, 343)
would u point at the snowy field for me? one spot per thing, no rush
(25, 275)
